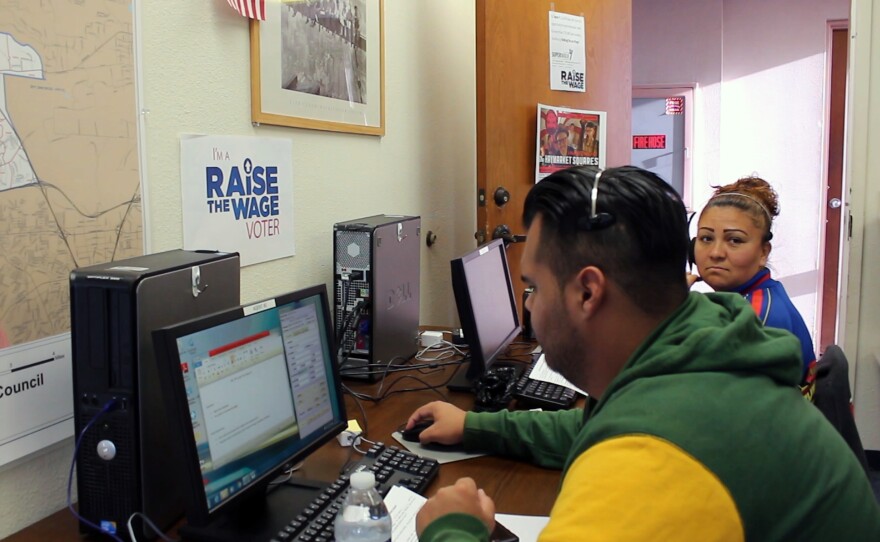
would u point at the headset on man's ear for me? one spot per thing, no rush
(596, 221)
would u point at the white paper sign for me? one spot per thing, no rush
(238, 196)
(568, 68)
(36, 396)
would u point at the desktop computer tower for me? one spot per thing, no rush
(127, 460)
(376, 292)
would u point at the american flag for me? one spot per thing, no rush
(253, 9)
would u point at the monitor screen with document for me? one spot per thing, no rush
(254, 390)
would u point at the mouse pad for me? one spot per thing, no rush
(443, 454)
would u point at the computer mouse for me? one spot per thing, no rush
(412, 434)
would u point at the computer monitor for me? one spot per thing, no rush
(486, 305)
(252, 390)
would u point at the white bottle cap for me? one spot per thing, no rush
(363, 479)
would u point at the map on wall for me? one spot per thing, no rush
(69, 193)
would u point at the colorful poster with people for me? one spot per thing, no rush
(568, 137)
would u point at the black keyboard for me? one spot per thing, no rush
(530, 393)
(391, 465)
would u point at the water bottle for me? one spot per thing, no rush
(363, 516)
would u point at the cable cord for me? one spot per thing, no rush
(148, 522)
(106, 408)
(360, 407)
(383, 392)
(384, 366)
(387, 368)
(354, 448)
(339, 324)
(285, 476)
(355, 445)
(428, 365)
(350, 319)
(425, 387)
(445, 348)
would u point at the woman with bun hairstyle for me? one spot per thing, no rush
(731, 250)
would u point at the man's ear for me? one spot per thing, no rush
(590, 285)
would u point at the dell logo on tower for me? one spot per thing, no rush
(398, 296)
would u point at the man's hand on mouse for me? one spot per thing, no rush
(448, 426)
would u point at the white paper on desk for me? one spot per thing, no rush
(527, 528)
(403, 505)
(544, 373)
(442, 456)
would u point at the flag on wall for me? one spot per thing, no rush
(253, 9)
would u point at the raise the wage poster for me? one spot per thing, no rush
(237, 194)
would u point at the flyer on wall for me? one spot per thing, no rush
(568, 137)
(237, 194)
(568, 66)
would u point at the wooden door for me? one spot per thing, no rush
(513, 69)
(834, 215)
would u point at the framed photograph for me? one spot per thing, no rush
(319, 64)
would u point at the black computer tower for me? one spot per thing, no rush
(114, 308)
(376, 292)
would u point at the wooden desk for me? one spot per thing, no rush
(516, 487)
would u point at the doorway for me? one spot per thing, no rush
(661, 133)
(837, 217)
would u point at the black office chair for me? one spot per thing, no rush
(833, 397)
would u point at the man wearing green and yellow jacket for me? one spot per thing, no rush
(698, 430)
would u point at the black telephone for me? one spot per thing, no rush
(502, 534)
(494, 389)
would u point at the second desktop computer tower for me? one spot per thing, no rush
(376, 293)
(127, 460)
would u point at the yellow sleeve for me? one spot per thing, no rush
(640, 487)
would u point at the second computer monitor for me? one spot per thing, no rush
(486, 305)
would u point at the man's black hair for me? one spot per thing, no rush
(642, 246)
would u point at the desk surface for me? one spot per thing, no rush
(516, 487)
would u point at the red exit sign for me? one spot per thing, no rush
(649, 142)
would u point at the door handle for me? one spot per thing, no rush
(502, 231)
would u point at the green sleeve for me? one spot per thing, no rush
(456, 528)
(542, 438)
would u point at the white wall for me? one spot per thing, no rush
(862, 344)
(679, 42)
(196, 79)
(760, 107)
